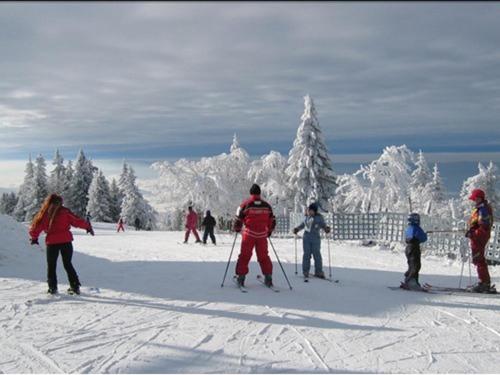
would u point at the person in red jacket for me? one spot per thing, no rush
(191, 222)
(56, 220)
(257, 217)
(120, 226)
(480, 224)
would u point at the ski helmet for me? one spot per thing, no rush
(414, 219)
(477, 193)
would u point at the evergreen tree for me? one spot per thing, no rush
(309, 171)
(487, 180)
(8, 203)
(80, 184)
(420, 178)
(57, 179)
(99, 199)
(26, 193)
(115, 201)
(68, 178)
(134, 206)
(435, 193)
(40, 188)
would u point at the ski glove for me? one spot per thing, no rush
(34, 241)
(238, 225)
(327, 229)
(295, 230)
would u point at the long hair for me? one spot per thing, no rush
(51, 207)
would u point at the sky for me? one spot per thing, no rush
(148, 81)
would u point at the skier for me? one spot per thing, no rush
(414, 236)
(137, 224)
(56, 220)
(479, 231)
(257, 216)
(209, 224)
(191, 221)
(120, 226)
(311, 241)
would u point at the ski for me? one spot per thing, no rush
(241, 288)
(467, 290)
(422, 290)
(260, 278)
(326, 279)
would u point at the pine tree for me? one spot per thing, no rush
(309, 171)
(134, 206)
(68, 178)
(8, 203)
(58, 175)
(420, 178)
(115, 201)
(40, 188)
(99, 199)
(435, 193)
(26, 193)
(80, 184)
(487, 180)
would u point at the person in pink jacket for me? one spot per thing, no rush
(191, 222)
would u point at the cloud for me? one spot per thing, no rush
(18, 118)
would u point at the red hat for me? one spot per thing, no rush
(477, 193)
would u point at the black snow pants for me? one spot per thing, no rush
(413, 257)
(66, 250)
(209, 231)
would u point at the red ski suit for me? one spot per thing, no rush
(191, 221)
(480, 224)
(257, 216)
(120, 226)
(59, 232)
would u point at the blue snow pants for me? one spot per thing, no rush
(312, 246)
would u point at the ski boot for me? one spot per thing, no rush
(74, 289)
(198, 241)
(481, 287)
(320, 275)
(240, 279)
(52, 291)
(185, 241)
(268, 281)
(411, 284)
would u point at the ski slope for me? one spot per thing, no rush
(158, 306)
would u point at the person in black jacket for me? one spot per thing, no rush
(209, 224)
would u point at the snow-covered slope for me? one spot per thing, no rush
(159, 307)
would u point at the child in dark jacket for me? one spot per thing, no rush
(209, 224)
(414, 236)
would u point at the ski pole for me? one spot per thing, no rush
(229, 260)
(461, 273)
(329, 258)
(279, 262)
(296, 254)
(470, 273)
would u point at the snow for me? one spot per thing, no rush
(159, 307)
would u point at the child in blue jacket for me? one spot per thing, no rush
(311, 241)
(414, 236)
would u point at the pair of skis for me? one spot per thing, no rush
(260, 279)
(433, 289)
(306, 279)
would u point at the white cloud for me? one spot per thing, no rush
(18, 118)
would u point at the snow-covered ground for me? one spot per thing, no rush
(159, 307)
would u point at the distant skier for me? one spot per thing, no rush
(56, 220)
(414, 236)
(257, 217)
(191, 222)
(137, 224)
(311, 241)
(209, 224)
(479, 232)
(120, 226)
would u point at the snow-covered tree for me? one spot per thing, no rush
(99, 204)
(351, 196)
(115, 201)
(26, 193)
(487, 180)
(309, 171)
(434, 195)
(420, 178)
(8, 203)
(80, 184)
(388, 180)
(269, 173)
(57, 180)
(40, 188)
(134, 206)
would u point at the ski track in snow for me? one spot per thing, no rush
(160, 308)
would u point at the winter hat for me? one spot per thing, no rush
(190, 208)
(209, 213)
(477, 193)
(414, 219)
(314, 207)
(255, 189)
